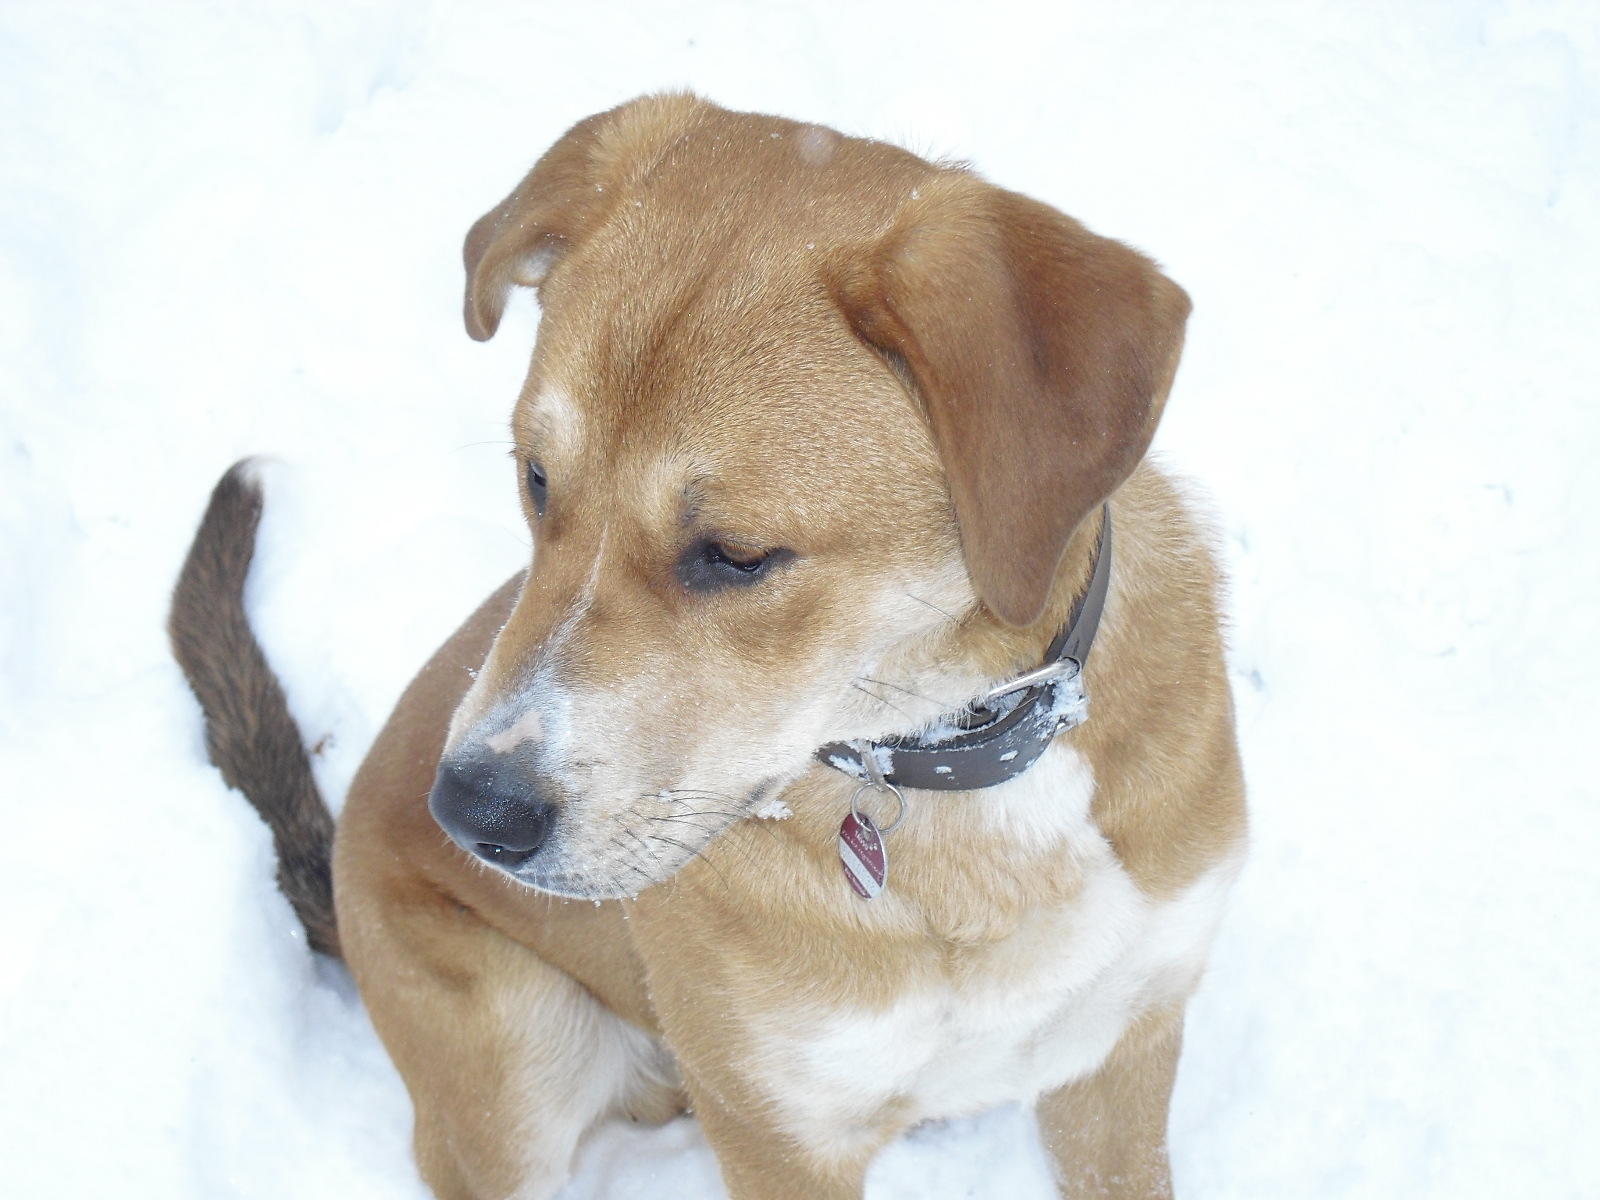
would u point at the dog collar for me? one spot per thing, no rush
(1003, 732)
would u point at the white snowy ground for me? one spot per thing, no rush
(234, 229)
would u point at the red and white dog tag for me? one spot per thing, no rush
(866, 862)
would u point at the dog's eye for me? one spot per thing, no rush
(740, 558)
(538, 487)
(716, 563)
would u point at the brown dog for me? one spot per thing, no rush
(820, 444)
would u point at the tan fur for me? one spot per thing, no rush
(923, 387)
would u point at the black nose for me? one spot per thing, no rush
(490, 807)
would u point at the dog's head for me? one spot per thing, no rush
(809, 427)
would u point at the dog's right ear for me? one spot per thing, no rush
(1043, 355)
(517, 241)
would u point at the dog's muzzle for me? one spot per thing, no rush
(489, 807)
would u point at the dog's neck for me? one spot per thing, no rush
(1001, 733)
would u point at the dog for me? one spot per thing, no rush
(783, 787)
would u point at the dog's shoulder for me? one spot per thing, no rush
(1169, 787)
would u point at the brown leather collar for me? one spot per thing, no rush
(1002, 734)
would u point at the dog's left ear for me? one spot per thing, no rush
(517, 241)
(1043, 354)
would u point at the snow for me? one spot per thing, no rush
(235, 229)
(773, 810)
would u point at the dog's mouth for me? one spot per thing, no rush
(558, 849)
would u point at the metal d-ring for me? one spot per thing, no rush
(883, 830)
(877, 783)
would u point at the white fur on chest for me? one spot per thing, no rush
(1039, 1009)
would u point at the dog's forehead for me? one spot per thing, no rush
(738, 365)
(633, 339)
(789, 444)
(767, 407)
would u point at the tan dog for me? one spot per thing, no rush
(814, 448)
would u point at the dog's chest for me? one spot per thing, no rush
(998, 1023)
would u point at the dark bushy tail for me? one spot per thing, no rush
(251, 736)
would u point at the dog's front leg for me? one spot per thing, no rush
(759, 1160)
(1108, 1132)
(509, 1060)
(717, 987)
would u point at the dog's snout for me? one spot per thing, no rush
(492, 809)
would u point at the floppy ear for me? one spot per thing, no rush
(1043, 355)
(518, 240)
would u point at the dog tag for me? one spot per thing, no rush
(866, 863)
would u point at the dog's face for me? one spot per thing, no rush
(751, 482)
(742, 532)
